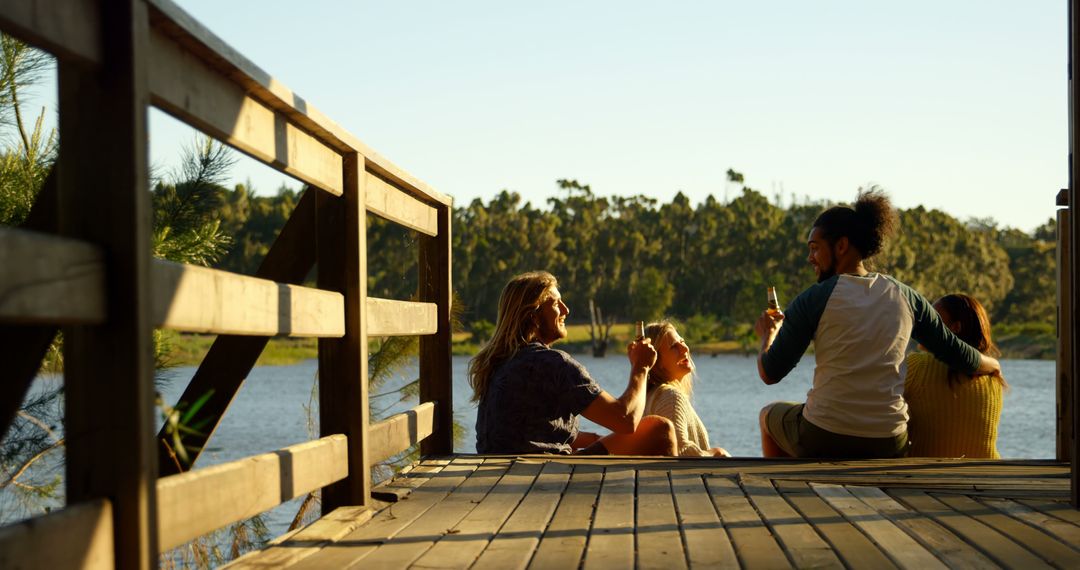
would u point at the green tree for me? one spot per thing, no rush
(937, 254)
(28, 153)
(1032, 262)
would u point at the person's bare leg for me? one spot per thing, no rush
(769, 448)
(654, 436)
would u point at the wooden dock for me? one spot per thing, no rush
(81, 265)
(471, 511)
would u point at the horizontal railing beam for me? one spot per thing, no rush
(172, 21)
(395, 205)
(400, 318)
(190, 88)
(61, 281)
(197, 502)
(401, 431)
(70, 29)
(50, 279)
(198, 299)
(77, 536)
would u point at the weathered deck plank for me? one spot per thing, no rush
(995, 545)
(1037, 542)
(564, 542)
(611, 540)
(754, 544)
(390, 521)
(895, 542)
(1065, 532)
(944, 544)
(707, 542)
(656, 528)
(560, 512)
(851, 545)
(803, 544)
(413, 541)
(516, 541)
(461, 546)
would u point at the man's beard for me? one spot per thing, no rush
(826, 273)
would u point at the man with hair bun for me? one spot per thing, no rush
(860, 323)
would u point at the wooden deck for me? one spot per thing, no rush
(544, 512)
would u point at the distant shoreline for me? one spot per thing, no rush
(189, 349)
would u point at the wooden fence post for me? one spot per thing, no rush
(436, 359)
(1064, 333)
(343, 369)
(104, 199)
(1074, 60)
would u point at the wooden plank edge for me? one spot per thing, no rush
(69, 29)
(197, 502)
(306, 541)
(387, 317)
(199, 299)
(390, 202)
(84, 530)
(401, 431)
(49, 279)
(177, 23)
(194, 91)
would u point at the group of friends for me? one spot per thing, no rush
(870, 397)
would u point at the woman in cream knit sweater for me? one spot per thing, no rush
(952, 414)
(668, 395)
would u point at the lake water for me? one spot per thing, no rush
(270, 411)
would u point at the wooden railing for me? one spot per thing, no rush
(82, 263)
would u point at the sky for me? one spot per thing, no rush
(959, 105)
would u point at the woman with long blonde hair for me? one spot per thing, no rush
(670, 384)
(530, 395)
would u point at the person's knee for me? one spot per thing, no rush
(661, 434)
(763, 416)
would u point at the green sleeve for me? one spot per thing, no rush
(801, 320)
(930, 332)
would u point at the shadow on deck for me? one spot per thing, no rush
(568, 512)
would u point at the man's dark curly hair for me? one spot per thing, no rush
(867, 226)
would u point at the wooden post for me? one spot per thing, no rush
(105, 199)
(1074, 60)
(1064, 334)
(436, 360)
(343, 369)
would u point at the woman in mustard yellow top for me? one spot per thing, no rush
(952, 414)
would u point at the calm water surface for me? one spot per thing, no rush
(271, 410)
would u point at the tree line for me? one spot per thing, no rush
(624, 258)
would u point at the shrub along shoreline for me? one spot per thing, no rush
(1026, 342)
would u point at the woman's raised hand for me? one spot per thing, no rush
(642, 354)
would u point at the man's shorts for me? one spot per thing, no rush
(798, 437)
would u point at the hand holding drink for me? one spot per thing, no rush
(641, 352)
(772, 319)
(773, 305)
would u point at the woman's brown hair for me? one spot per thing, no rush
(974, 329)
(514, 326)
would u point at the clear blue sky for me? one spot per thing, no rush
(957, 105)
